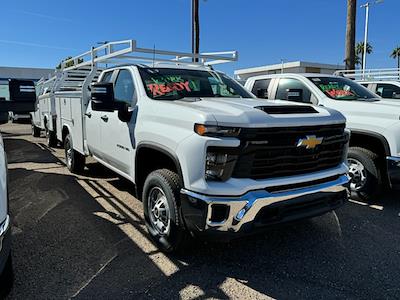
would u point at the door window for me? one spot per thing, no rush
(107, 77)
(124, 88)
(261, 85)
(386, 90)
(293, 90)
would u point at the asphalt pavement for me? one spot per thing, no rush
(84, 237)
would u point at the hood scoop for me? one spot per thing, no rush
(287, 109)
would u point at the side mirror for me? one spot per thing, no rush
(294, 95)
(124, 111)
(102, 96)
(262, 93)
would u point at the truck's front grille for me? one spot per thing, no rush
(274, 152)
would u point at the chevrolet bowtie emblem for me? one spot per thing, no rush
(310, 142)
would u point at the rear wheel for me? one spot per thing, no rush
(161, 211)
(74, 160)
(366, 180)
(51, 138)
(35, 130)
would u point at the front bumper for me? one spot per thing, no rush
(393, 167)
(5, 242)
(260, 208)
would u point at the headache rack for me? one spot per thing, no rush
(80, 71)
(370, 74)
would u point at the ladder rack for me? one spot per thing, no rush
(81, 70)
(126, 51)
(370, 74)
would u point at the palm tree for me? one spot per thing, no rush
(396, 55)
(360, 51)
(350, 34)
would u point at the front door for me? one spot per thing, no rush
(116, 135)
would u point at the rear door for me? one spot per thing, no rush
(92, 119)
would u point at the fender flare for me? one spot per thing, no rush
(168, 152)
(378, 136)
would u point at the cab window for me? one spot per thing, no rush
(388, 90)
(107, 77)
(260, 88)
(124, 88)
(293, 90)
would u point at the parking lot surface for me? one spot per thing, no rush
(84, 237)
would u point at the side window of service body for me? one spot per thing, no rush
(294, 90)
(124, 88)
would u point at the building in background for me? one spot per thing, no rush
(288, 67)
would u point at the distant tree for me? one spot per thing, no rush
(396, 55)
(360, 52)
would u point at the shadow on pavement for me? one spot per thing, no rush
(84, 237)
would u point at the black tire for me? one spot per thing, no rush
(74, 160)
(35, 131)
(6, 278)
(372, 185)
(176, 239)
(51, 138)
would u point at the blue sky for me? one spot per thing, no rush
(40, 33)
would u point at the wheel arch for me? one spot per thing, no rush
(376, 142)
(160, 157)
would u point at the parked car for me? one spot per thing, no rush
(6, 273)
(374, 154)
(206, 157)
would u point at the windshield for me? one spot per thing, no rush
(338, 88)
(173, 84)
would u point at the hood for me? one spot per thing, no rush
(252, 112)
(385, 109)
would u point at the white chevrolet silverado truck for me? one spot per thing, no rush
(374, 153)
(204, 154)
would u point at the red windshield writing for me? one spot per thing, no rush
(339, 93)
(161, 89)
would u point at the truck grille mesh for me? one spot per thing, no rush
(273, 152)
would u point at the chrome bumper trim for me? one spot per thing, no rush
(244, 209)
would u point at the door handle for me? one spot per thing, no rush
(104, 118)
(89, 114)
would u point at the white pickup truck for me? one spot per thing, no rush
(205, 155)
(374, 154)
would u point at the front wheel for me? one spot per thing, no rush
(161, 211)
(74, 160)
(366, 179)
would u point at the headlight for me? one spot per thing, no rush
(219, 164)
(216, 131)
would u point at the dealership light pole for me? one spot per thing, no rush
(366, 6)
(195, 29)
